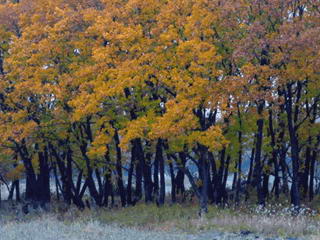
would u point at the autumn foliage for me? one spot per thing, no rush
(110, 95)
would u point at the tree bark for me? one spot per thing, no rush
(295, 194)
(148, 185)
(203, 163)
(159, 156)
(119, 171)
(258, 149)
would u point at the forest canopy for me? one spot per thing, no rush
(111, 96)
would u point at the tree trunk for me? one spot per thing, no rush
(159, 156)
(130, 173)
(156, 177)
(274, 155)
(203, 163)
(225, 181)
(238, 187)
(138, 176)
(312, 169)
(250, 173)
(305, 178)
(173, 183)
(258, 167)
(119, 171)
(219, 188)
(31, 183)
(295, 194)
(180, 175)
(148, 186)
(214, 178)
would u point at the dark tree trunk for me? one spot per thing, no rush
(30, 186)
(214, 178)
(18, 191)
(173, 183)
(309, 152)
(219, 188)
(130, 173)
(86, 135)
(89, 178)
(10, 196)
(31, 181)
(148, 185)
(295, 194)
(15, 187)
(203, 163)
(43, 181)
(108, 189)
(314, 153)
(238, 187)
(119, 171)
(282, 150)
(305, 178)
(138, 175)
(100, 184)
(160, 159)
(181, 174)
(235, 178)
(56, 180)
(274, 155)
(210, 184)
(265, 185)
(258, 166)
(225, 179)
(312, 169)
(156, 177)
(65, 173)
(250, 173)
(68, 177)
(144, 171)
(77, 197)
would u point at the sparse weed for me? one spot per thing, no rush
(271, 220)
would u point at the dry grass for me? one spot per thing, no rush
(48, 227)
(275, 221)
(185, 218)
(265, 225)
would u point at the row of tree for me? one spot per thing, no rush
(106, 96)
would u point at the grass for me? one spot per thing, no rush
(274, 220)
(268, 222)
(184, 218)
(150, 217)
(49, 228)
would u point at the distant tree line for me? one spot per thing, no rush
(109, 96)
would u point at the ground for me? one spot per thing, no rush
(177, 222)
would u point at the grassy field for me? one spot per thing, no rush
(273, 221)
(270, 222)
